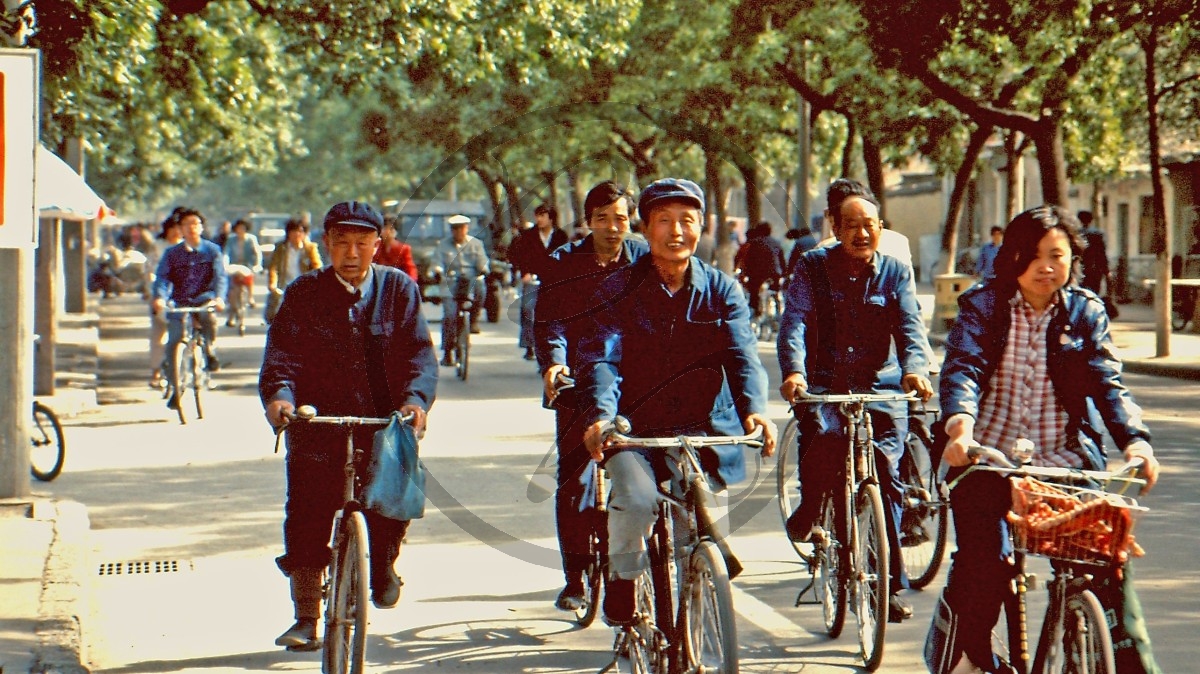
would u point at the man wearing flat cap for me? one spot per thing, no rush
(458, 256)
(675, 355)
(350, 340)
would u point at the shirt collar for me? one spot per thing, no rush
(365, 289)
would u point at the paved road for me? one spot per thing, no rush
(199, 508)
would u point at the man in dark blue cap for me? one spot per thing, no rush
(674, 354)
(326, 348)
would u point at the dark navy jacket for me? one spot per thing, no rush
(190, 278)
(565, 298)
(316, 356)
(698, 375)
(845, 344)
(1083, 367)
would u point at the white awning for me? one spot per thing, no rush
(62, 193)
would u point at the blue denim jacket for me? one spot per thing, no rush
(699, 376)
(1083, 367)
(842, 343)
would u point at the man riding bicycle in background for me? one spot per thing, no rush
(563, 315)
(191, 274)
(458, 256)
(673, 352)
(349, 340)
(759, 262)
(852, 324)
(1030, 358)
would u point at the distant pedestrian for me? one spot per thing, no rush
(393, 252)
(805, 241)
(295, 256)
(985, 267)
(1095, 256)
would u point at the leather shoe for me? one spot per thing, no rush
(899, 609)
(448, 360)
(173, 402)
(571, 598)
(529, 354)
(475, 329)
(300, 637)
(385, 592)
(214, 365)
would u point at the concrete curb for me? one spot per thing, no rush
(66, 589)
(1157, 369)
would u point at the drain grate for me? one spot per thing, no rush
(144, 567)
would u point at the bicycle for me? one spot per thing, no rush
(850, 558)
(1183, 306)
(701, 635)
(464, 296)
(241, 283)
(347, 578)
(1071, 517)
(188, 357)
(47, 450)
(770, 310)
(924, 527)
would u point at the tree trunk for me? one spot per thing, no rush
(712, 176)
(494, 190)
(1162, 234)
(1052, 161)
(575, 195)
(516, 212)
(1013, 155)
(962, 178)
(873, 159)
(848, 149)
(753, 196)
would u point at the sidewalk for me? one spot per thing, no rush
(44, 564)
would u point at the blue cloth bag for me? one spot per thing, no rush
(396, 479)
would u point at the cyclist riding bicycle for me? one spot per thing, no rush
(562, 319)
(459, 255)
(760, 262)
(1030, 358)
(244, 259)
(674, 353)
(350, 340)
(852, 324)
(190, 274)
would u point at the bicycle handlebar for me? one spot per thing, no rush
(308, 414)
(806, 398)
(994, 460)
(617, 436)
(202, 309)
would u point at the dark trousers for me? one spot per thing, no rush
(573, 507)
(822, 457)
(314, 493)
(980, 575)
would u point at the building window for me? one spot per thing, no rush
(1146, 227)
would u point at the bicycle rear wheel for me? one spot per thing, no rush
(870, 572)
(346, 602)
(785, 488)
(831, 560)
(924, 521)
(463, 346)
(47, 450)
(706, 618)
(1080, 642)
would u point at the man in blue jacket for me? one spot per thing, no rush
(852, 325)
(673, 353)
(349, 340)
(563, 314)
(191, 274)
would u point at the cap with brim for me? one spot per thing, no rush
(669, 189)
(456, 220)
(354, 214)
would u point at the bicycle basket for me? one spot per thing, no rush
(1073, 524)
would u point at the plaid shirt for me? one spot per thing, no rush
(1021, 403)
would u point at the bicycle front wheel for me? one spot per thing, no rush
(831, 561)
(199, 377)
(1084, 642)
(47, 450)
(923, 520)
(182, 358)
(870, 571)
(706, 618)
(346, 603)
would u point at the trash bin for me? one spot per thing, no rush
(946, 289)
